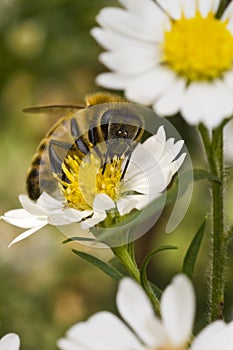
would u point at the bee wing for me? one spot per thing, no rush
(53, 110)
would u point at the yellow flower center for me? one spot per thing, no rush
(198, 48)
(85, 179)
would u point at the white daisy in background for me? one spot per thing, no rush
(89, 193)
(105, 331)
(10, 341)
(174, 55)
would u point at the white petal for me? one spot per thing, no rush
(172, 7)
(228, 16)
(209, 103)
(114, 41)
(26, 234)
(156, 143)
(170, 153)
(126, 204)
(129, 61)
(48, 203)
(136, 310)
(32, 207)
(144, 25)
(147, 87)
(208, 6)
(67, 344)
(228, 79)
(104, 331)
(68, 216)
(113, 81)
(21, 218)
(177, 309)
(188, 8)
(215, 336)
(10, 341)
(169, 103)
(103, 202)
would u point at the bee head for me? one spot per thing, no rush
(121, 127)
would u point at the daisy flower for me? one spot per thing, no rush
(105, 331)
(174, 55)
(88, 193)
(10, 341)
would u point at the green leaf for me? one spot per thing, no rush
(79, 239)
(202, 174)
(101, 265)
(153, 291)
(193, 250)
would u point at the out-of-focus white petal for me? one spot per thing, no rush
(129, 61)
(104, 331)
(129, 24)
(21, 218)
(113, 80)
(228, 16)
(114, 41)
(147, 87)
(208, 6)
(177, 309)
(189, 8)
(169, 103)
(67, 344)
(215, 336)
(206, 102)
(10, 341)
(228, 79)
(136, 310)
(172, 7)
(26, 234)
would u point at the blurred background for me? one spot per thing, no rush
(46, 57)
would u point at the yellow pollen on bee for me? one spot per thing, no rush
(85, 179)
(198, 48)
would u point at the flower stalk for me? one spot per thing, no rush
(124, 256)
(214, 152)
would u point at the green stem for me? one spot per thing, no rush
(123, 255)
(214, 152)
(218, 248)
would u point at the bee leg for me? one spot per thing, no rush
(105, 162)
(126, 166)
(74, 128)
(93, 137)
(62, 144)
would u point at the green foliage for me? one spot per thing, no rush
(193, 251)
(106, 268)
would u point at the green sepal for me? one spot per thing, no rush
(193, 250)
(101, 265)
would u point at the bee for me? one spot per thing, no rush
(105, 118)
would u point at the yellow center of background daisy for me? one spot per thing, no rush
(198, 48)
(85, 179)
